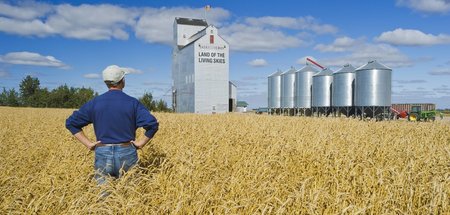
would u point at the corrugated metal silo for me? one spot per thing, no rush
(288, 88)
(343, 87)
(303, 85)
(274, 91)
(373, 83)
(321, 88)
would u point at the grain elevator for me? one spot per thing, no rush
(200, 68)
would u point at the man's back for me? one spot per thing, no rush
(115, 116)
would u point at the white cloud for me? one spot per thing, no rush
(92, 76)
(258, 63)
(3, 74)
(440, 71)
(254, 39)
(99, 22)
(132, 70)
(412, 37)
(303, 61)
(156, 25)
(27, 10)
(428, 6)
(30, 27)
(340, 44)
(30, 58)
(300, 23)
(92, 22)
(361, 52)
(265, 34)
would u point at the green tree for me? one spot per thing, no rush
(62, 97)
(147, 101)
(83, 95)
(42, 98)
(153, 105)
(3, 97)
(12, 98)
(161, 106)
(29, 88)
(32, 95)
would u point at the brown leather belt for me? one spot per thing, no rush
(116, 144)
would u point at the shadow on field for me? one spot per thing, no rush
(151, 160)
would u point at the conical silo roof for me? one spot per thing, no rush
(324, 72)
(292, 70)
(374, 65)
(278, 72)
(307, 68)
(347, 68)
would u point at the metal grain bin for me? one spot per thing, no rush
(373, 85)
(321, 88)
(274, 91)
(303, 85)
(288, 88)
(343, 87)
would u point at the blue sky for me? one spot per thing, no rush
(71, 42)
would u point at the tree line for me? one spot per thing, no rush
(31, 94)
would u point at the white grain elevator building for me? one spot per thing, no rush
(200, 68)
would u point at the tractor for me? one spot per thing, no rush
(416, 114)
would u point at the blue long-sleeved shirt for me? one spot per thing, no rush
(115, 116)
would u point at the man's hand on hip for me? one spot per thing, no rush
(139, 144)
(91, 145)
(86, 142)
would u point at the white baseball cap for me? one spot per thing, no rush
(114, 73)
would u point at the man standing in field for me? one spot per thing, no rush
(115, 116)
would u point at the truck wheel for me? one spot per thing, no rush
(433, 118)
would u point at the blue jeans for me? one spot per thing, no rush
(113, 160)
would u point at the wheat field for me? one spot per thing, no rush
(230, 164)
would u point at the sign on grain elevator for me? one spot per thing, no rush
(200, 68)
